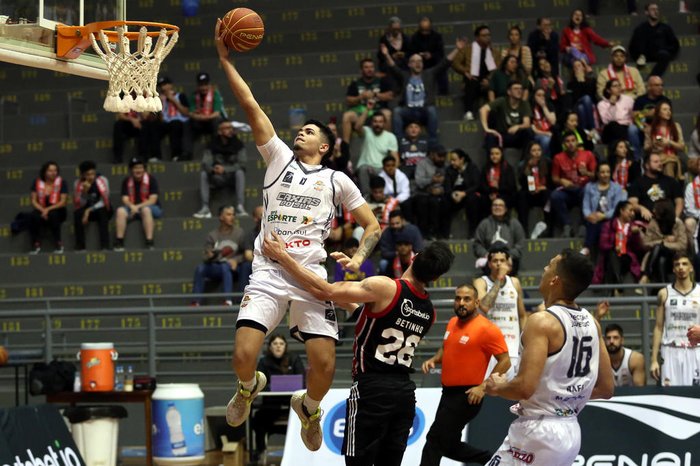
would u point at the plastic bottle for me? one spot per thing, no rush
(129, 379)
(76, 382)
(177, 438)
(119, 379)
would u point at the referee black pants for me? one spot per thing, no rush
(379, 416)
(444, 438)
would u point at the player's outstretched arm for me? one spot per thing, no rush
(605, 385)
(540, 327)
(369, 290)
(263, 130)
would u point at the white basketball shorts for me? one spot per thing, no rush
(271, 292)
(681, 366)
(539, 441)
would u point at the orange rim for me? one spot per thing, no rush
(93, 28)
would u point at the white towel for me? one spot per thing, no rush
(476, 57)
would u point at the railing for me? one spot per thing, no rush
(155, 332)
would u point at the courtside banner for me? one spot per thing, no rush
(646, 426)
(333, 423)
(36, 436)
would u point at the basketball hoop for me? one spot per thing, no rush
(132, 75)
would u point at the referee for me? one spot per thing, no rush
(469, 342)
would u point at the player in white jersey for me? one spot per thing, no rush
(300, 197)
(564, 364)
(675, 360)
(629, 369)
(501, 299)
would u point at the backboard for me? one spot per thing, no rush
(28, 32)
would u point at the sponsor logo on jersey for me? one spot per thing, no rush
(277, 217)
(334, 427)
(306, 220)
(319, 185)
(644, 459)
(407, 310)
(297, 243)
(297, 201)
(521, 455)
(674, 302)
(245, 301)
(288, 177)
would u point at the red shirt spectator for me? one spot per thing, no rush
(568, 166)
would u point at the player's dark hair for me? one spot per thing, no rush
(614, 328)
(682, 255)
(376, 182)
(432, 262)
(575, 271)
(44, 168)
(493, 250)
(326, 133)
(86, 166)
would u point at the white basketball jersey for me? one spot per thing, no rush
(504, 314)
(682, 311)
(300, 202)
(623, 375)
(570, 374)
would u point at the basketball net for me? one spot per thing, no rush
(133, 76)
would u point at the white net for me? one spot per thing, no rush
(133, 76)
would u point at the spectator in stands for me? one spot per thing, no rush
(206, 107)
(222, 167)
(619, 247)
(476, 62)
(379, 202)
(430, 204)
(346, 275)
(600, 198)
(173, 121)
(552, 85)
(692, 203)
(534, 189)
(461, 185)
(625, 170)
(224, 259)
(140, 200)
(397, 43)
(404, 256)
(665, 136)
(631, 82)
(577, 41)
(584, 139)
(428, 43)
(544, 43)
(277, 360)
(644, 105)
(339, 159)
(506, 120)
(387, 243)
(664, 236)
(49, 197)
(653, 186)
(416, 101)
(397, 184)
(544, 118)
(499, 230)
(128, 125)
(367, 87)
(583, 94)
(92, 204)
(516, 48)
(509, 70)
(413, 147)
(497, 182)
(572, 169)
(377, 143)
(617, 116)
(654, 41)
(694, 143)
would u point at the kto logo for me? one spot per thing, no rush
(334, 427)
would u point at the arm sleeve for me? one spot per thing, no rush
(596, 39)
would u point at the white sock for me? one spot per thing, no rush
(249, 384)
(310, 404)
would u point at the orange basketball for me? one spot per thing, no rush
(242, 29)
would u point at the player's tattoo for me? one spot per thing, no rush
(367, 246)
(491, 296)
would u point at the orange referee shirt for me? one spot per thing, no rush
(467, 349)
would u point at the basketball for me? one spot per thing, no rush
(242, 29)
(226, 251)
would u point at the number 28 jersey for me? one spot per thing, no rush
(385, 341)
(570, 374)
